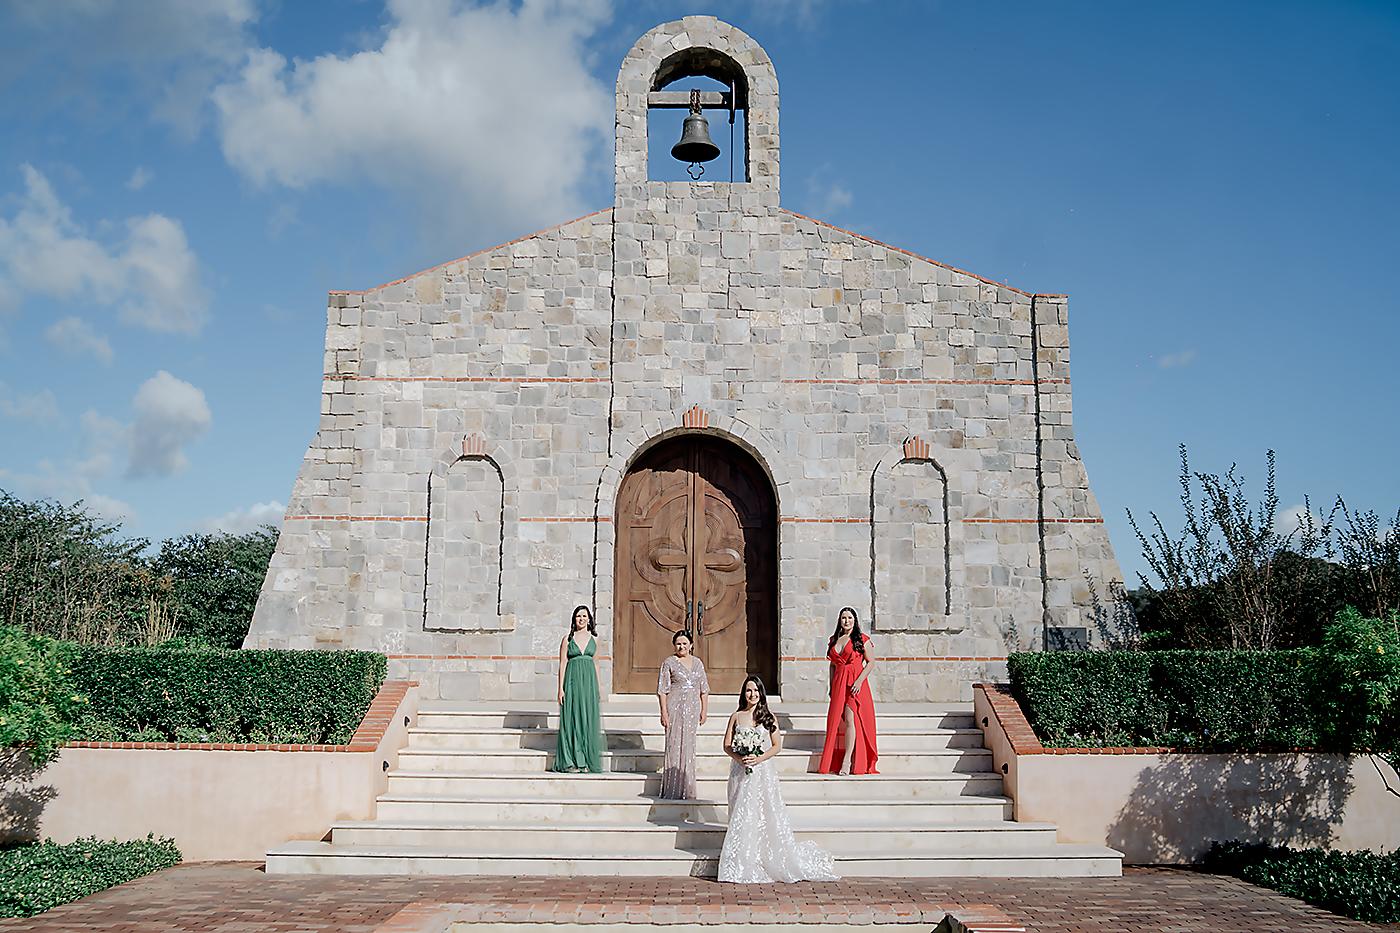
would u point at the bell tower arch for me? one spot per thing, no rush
(697, 46)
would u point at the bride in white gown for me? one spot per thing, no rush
(759, 846)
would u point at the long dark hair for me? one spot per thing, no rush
(592, 623)
(762, 716)
(857, 640)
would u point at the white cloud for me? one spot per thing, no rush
(486, 116)
(170, 413)
(825, 195)
(114, 510)
(38, 406)
(173, 51)
(67, 483)
(104, 440)
(1290, 521)
(835, 199)
(253, 517)
(139, 178)
(73, 336)
(151, 275)
(1176, 360)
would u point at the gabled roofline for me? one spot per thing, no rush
(605, 210)
(488, 249)
(944, 265)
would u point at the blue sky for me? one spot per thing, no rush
(1214, 186)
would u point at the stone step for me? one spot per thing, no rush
(333, 859)
(571, 811)
(464, 807)
(548, 786)
(708, 761)
(576, 839)
(639, 719)
(890, 740)
(934, 761)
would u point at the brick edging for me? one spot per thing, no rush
(366, 738)
(1012, 721)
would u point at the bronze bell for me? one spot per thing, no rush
(695, 144)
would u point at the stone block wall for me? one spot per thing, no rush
(478, 418)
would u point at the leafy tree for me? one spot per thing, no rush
(216, 579)
(70, 575)
(1233, 578)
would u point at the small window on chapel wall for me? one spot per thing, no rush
(716, 84)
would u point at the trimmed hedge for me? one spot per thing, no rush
(171, 695)
(1209, 700)
(1361, 885)
(41, 875)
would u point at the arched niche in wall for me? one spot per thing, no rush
(915, 559)
(466, 544)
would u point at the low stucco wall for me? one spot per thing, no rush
(1166, 807)
(215, 803)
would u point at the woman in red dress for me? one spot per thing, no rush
(850, 720)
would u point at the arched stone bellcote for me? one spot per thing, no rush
(697, 45)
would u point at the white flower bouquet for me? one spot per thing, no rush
(748, 740)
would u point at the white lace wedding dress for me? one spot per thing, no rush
(759, 846)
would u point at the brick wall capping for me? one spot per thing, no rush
(366, 738)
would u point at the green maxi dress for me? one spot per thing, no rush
(580, 733)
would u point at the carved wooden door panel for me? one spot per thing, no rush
(735, 559)
(696, 548)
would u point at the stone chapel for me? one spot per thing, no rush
(693, 409)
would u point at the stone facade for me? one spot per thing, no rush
(478, 418)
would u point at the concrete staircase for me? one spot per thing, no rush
(472, 796)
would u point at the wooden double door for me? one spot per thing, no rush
(697, 542)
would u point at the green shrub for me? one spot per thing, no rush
(169, 695)
(38, 701)
(1342, 697)
(1223, 700)
(1361, 885)
(1361, 672)
(42, 875)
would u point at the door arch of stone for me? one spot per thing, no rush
(696, 549)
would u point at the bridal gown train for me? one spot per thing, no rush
(759, 847)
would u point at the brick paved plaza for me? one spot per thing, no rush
(236, 896)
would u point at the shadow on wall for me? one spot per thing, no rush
(22, 798)
(1179, 807)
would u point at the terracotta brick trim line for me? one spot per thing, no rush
(1025, 742)
(366, 738)
(912, 657)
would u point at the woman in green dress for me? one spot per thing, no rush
(580, 745)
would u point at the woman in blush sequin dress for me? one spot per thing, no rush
(759, 847)
(684, 692)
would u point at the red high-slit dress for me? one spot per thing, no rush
(845, 668)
